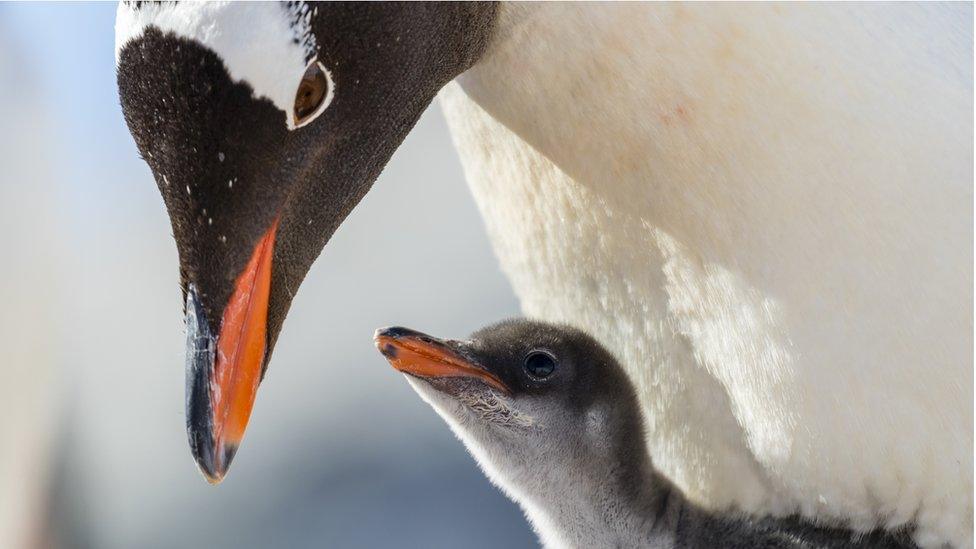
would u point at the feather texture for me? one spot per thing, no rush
(765, 212)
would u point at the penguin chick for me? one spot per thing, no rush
(553, 420)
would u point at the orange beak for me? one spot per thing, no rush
(223, 379)
(424, 356)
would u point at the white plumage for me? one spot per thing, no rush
(766, 212)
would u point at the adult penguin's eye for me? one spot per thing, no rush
(315, 92)
(539, 364)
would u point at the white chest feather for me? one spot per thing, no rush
(766, 213)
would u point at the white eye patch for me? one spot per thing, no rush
(267, 45)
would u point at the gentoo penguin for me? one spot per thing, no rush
(764, 211)
(265, 124)
(554, 421)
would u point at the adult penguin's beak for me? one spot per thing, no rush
(223, 368)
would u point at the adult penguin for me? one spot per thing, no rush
(764, 211)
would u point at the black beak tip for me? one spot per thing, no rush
(199, 367)
(200, 434)
(213, 464)
(208, 467)
(228, 451)
(399, 332)
(214, 470)
(396, 332)
(383, 335)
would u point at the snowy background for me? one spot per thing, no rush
(340, 451)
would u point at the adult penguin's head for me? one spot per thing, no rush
(264, 124)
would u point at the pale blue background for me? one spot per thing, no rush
(340, 451)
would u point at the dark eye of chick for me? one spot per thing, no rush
(539, 364)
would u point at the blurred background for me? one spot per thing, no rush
(93, 451)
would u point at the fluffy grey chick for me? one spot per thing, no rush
(553, 420)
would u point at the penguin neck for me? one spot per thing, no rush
(619, 500)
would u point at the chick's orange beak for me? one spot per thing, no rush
(424, 356)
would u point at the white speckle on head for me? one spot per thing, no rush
(188, 190)
(220, 156)
(267, 45)
(230, 183)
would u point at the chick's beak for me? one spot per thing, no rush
(223, 370)
(423, 356)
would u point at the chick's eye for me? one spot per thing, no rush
(314, 94)
(540, 364)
